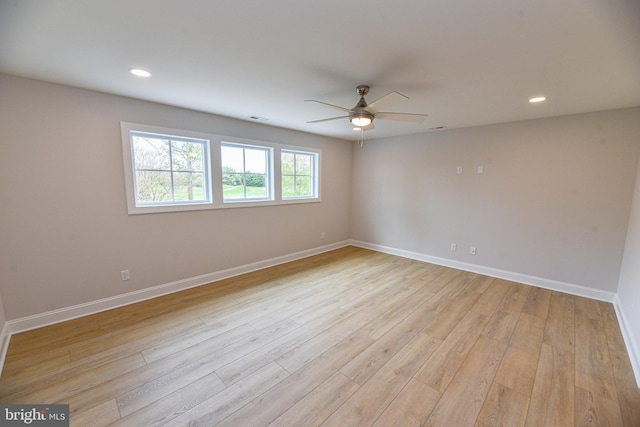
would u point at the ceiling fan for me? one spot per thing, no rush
(363, 114)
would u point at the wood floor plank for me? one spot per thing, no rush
(411, 406)
(501, 326)
(612, 327)
(202, 404)
(368, 402)
(537, 303)
(595, 410)
(193, 337)
(627, 389)
(503, 407)
(399, 311)
(463, 399)
(53, 337)
(515, 298)
(38, 365)
(318, 405)
(443, 365)
(560, 327)
(101, 415)
(72, 381)
(491, 298)
(164, 385)
(594, 371)
(589, 308)
(302, 354)
(366, 364)
(124, 382)
(553, 398)
(520, 362)
(450, 316)
(276, 401)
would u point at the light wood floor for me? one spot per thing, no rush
(347, 338)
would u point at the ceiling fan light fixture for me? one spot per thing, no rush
(361, 119)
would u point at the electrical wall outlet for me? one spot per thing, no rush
(454, 247)
(124, 275)
(472, 250)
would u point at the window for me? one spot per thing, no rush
(169, 170)
(298, 174)
(245, 172)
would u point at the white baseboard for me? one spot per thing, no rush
(540, 282)
(68, 313)
(632, 347)
(5, 336)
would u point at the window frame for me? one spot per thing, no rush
(315, 159)
(133, 206)
(214, 176)
(268, 172)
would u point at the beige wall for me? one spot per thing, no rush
(64, 229)
(553, 201)
(629, 286)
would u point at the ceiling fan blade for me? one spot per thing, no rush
(326, 120)
(402, 117)
(387, 101)
(337, 107)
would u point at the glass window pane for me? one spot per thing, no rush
(187, 156)
(303, 164)
(232, 159)
(233, 186)
(303, 186)
(288, 186)
(245, 172)
(151, 153)
(255, 161)
(153, 186)
(168, 170)
(255, 180)
(188, 186)
(256, 185)
(286, 159)
(298, 178)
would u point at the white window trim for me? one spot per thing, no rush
(270, 164)
(315, 173)
(215, 171)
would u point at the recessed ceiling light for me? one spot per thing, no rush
(139, 72)
(538, 99)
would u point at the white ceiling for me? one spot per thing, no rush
(463, 62)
